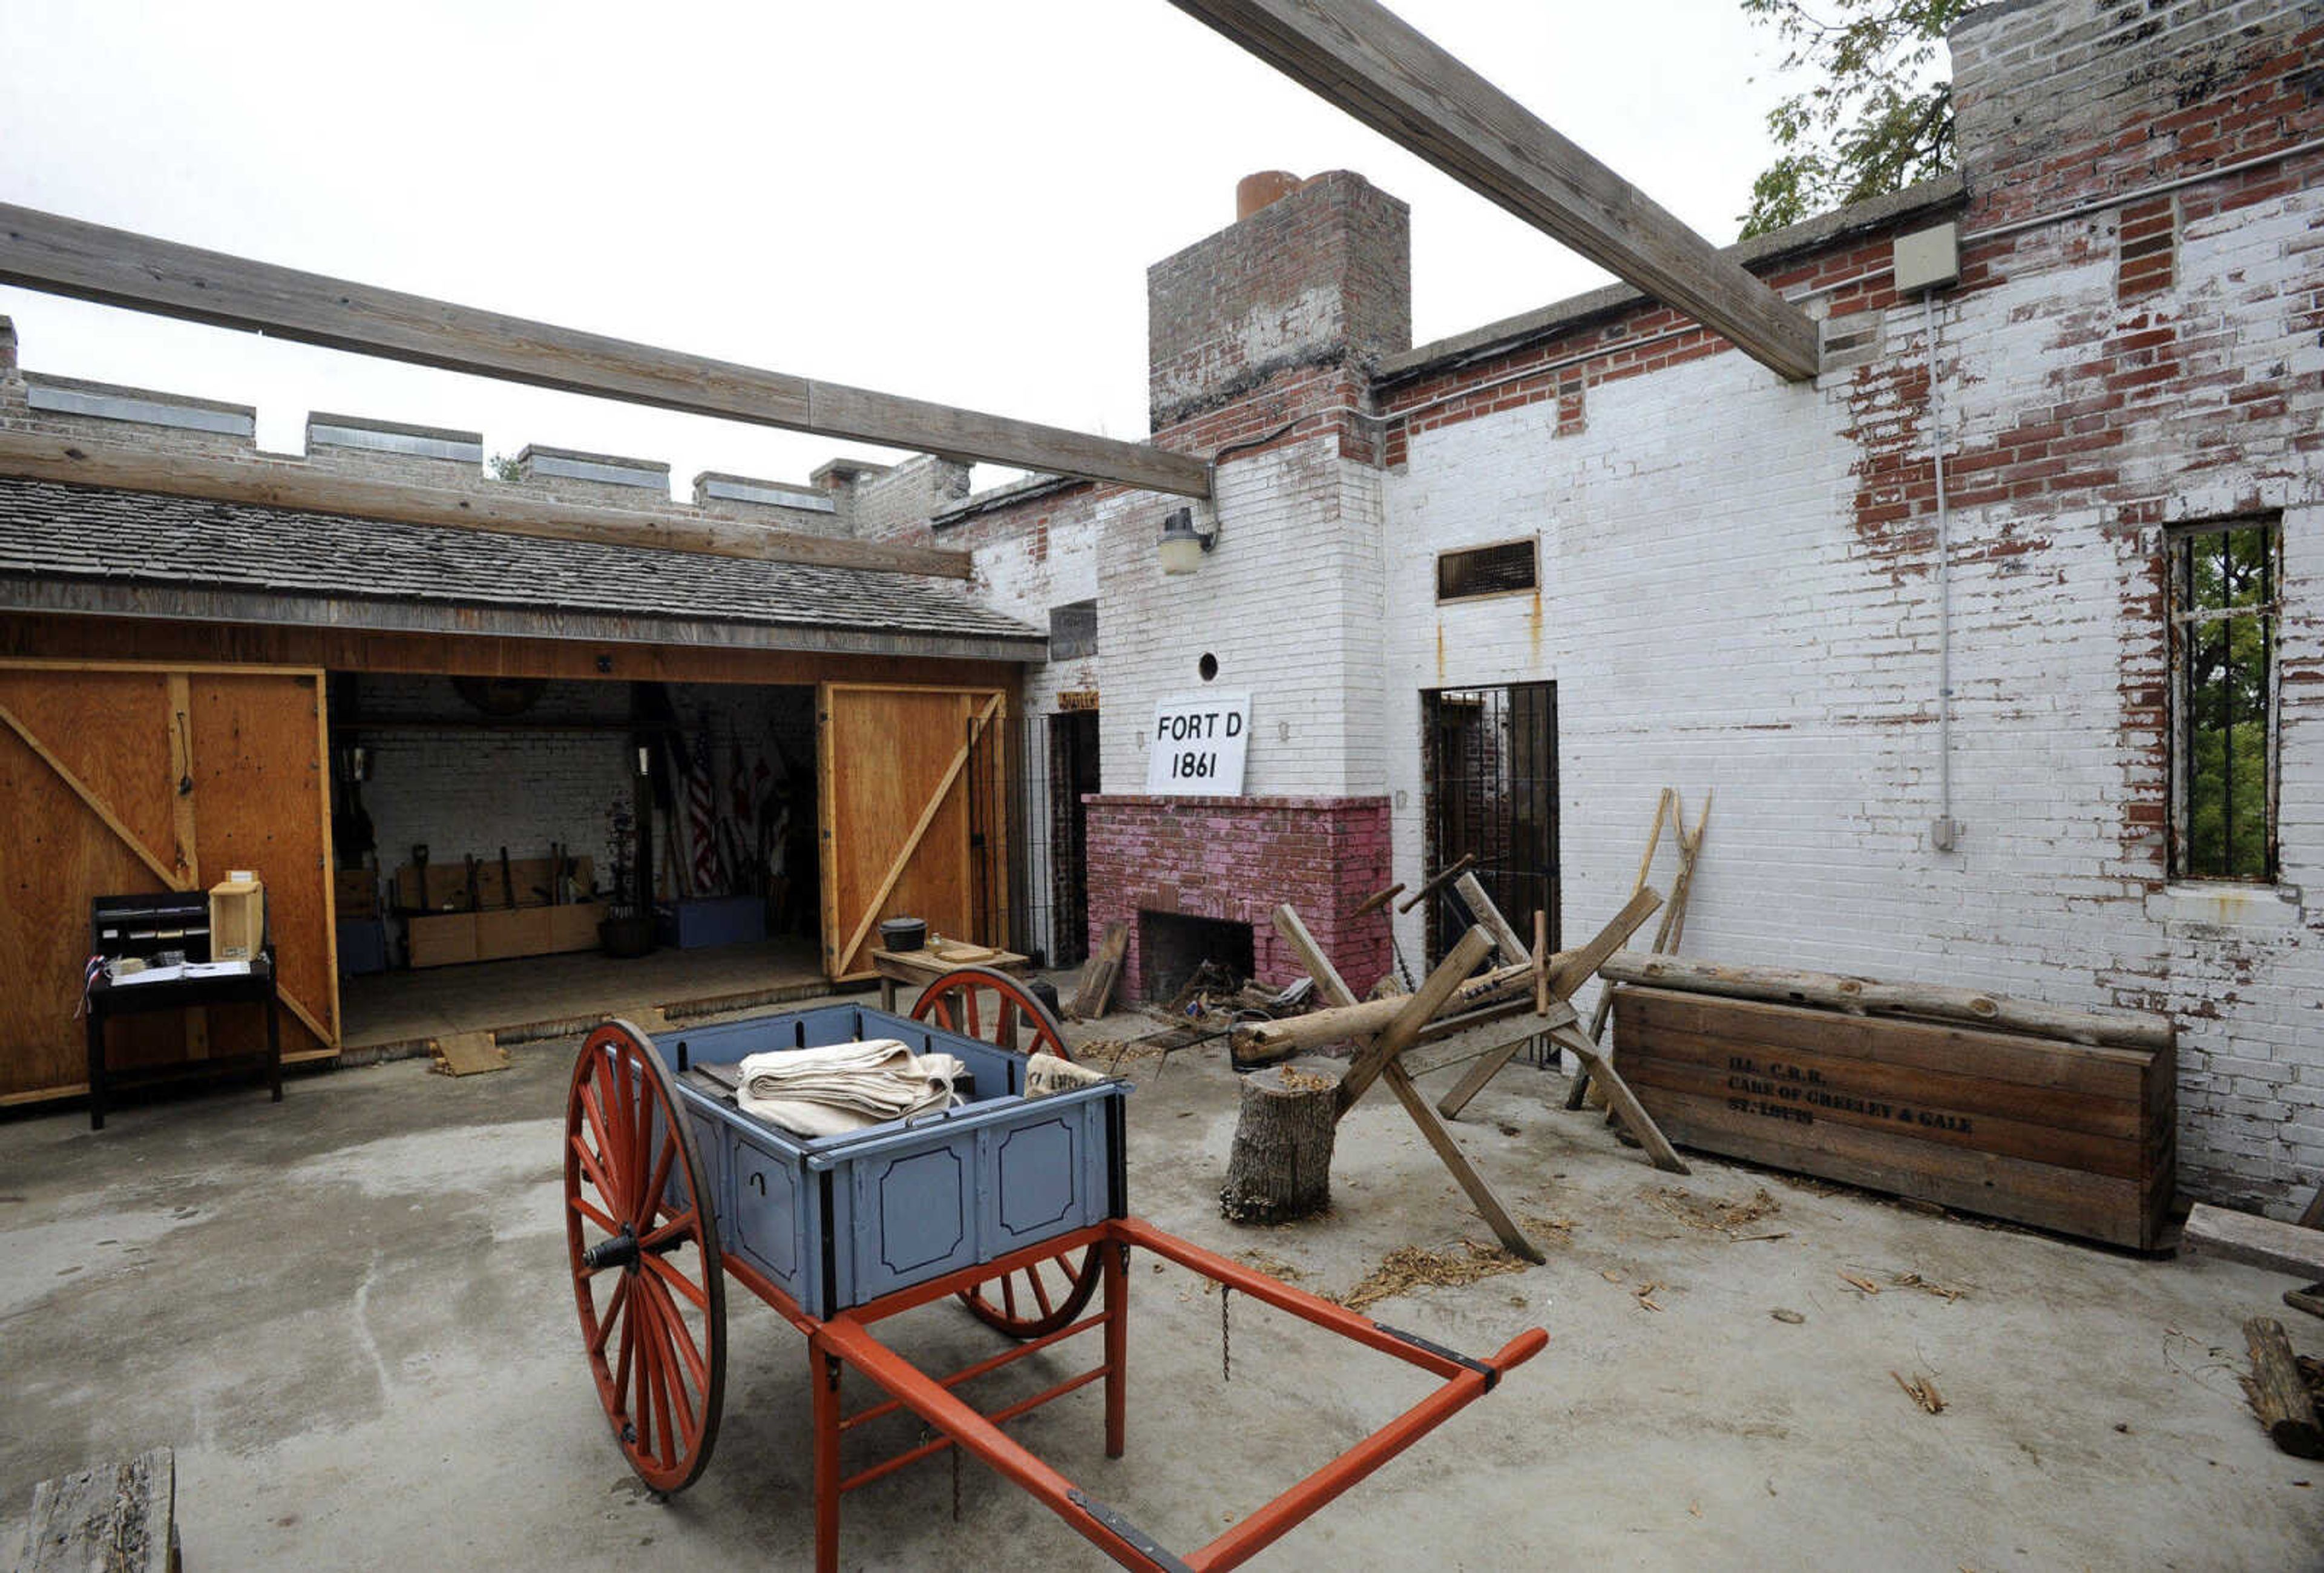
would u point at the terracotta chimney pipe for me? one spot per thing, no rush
(1253, 193)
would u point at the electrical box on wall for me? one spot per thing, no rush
(1927, 259)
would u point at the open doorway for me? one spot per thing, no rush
(1073, 774)
(515, 855)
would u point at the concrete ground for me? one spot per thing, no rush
(351, 1316)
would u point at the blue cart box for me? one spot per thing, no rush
(838, 1221)
(701, 922)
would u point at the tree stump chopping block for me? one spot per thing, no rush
(1280, 1168)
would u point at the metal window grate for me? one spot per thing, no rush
(1489, 570)
(2224, 700)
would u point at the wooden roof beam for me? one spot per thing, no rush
(315, 489)
(1363, 57)
(118, 267)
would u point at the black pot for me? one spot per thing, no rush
(903, 933)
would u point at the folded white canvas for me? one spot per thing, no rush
(845, 1087)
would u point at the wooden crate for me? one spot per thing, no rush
(2059, 1135)
(442, 940)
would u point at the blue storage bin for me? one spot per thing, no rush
(835, 1221)
(362, 945)
(699, 922)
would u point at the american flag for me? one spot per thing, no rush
(90, 975)
(702, 816)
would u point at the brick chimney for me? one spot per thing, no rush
(7, 350)
(1318, 276)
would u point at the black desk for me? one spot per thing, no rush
(107, 998)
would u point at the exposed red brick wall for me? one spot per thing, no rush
(1237, 859)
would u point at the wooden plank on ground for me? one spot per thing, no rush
(1100, 974)
(467, 1054)
(117, 267)
(2256, 1241)
(120, 1518)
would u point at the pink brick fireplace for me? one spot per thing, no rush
(1234, 860)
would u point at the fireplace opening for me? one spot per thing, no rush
(1171, 946)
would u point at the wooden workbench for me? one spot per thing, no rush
(922, 967)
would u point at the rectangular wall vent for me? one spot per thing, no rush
(1489, 570)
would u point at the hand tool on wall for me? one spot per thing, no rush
(1445, 876)
(508, 885)
(473, 890)
(1378, 903)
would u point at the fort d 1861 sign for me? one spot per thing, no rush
(1198, 744)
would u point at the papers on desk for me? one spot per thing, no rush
(190, 971)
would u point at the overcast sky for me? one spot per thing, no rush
(947, 200)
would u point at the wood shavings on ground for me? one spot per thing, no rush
(1717, 1217)
(1922, 1390)
(1266, 1261)
(1410, 1267)
(1113, 1052)
(1644, 1295)
(1535, 1223)
(1943, 1291)
(1865, 1284)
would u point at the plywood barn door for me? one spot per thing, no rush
(119, 780)
(899, 835)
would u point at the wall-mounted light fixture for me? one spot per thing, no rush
(1183, 545)
(645, 759)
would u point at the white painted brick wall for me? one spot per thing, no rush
(1714, 619)
(1290, 603)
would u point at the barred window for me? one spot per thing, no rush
(1487, 570)
(2223, 612)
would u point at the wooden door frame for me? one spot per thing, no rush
(184, 672)
(994, 714)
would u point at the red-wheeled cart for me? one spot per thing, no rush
(650, 1272)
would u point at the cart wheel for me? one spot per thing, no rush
(644, 1244)
(993, 1007)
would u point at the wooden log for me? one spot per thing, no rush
(2257, 1241)
(1280, 1167)
(119, 1517)
(1343, 1024)
(1418, 1010)
(1863, 996)
(2278, 1396)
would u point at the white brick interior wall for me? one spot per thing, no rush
(462, 790)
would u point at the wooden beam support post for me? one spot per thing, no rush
(1334, 991)
(309, 488)
(1567, 972)
(118, 267)
(1363, 57)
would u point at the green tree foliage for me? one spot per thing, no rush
(1872, 122)
(2225, 673)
